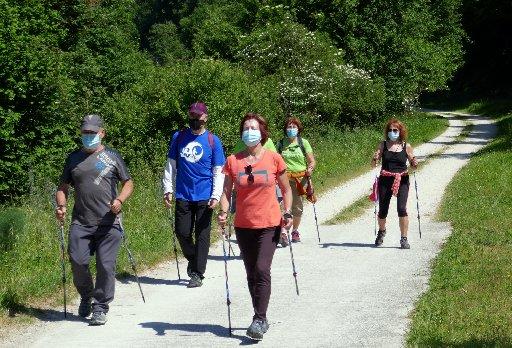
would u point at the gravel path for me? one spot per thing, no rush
(352, 294)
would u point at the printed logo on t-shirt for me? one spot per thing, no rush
(192, 152)
(104, 166)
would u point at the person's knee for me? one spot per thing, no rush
(402, 212)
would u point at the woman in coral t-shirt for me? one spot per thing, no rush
(254, 172)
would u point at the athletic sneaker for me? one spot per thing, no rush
(189, 270)
(264, 326)
(404, 244)
(380, 237)
(284, 240)
(257, 329)
(85, 308)
(98, 318)
(195, 281)
(295, 236)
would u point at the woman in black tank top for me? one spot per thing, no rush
(394, 179)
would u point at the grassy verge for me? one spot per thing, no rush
(351, 212)
(469, 298)
(29, 260)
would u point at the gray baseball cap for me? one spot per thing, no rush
(91, 123)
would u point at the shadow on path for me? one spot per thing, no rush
(127, 279)
(218, 330)
(356, 245)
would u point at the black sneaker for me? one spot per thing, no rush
(98, 318)
(380, 238)
(255, 331)
(195, 281)
(85, 308)
(404, 244)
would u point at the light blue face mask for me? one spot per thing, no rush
(251, 137)
(292, 132)
(91, 141)
(393, 136)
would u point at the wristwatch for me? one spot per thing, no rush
(287, 215)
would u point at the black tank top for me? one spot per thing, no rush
(394, 162)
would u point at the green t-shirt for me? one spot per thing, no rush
(293, 155)
(240, 146)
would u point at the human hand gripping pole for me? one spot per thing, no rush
(131, 259)
(228, 300)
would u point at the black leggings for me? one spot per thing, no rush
(385, 193)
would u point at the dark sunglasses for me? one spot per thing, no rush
(394, 130)
(248, 171)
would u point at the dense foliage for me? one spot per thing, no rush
(140, 63)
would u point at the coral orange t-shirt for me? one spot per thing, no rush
(256, 203)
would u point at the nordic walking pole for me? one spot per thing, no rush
(174, 243)
(230, 248)
(63, 266)
(417, 203)
(132, 260)
(228, 301)
(310, 187)
(293, 261)
(375, 206)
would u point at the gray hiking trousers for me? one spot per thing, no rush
(84, 242)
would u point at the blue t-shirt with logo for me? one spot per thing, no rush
(197, 155)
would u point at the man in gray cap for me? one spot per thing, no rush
(94, 171)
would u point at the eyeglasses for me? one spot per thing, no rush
(394, 130)
(248, 171)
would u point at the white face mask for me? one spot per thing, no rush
(393, 136)
(251, 137)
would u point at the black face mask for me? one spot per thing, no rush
(194, 123)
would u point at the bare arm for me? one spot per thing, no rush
(224, 200)
(410, 156)
(310, 158)
(284, 185)
(61, 198)
(377, 155)
(126, 191)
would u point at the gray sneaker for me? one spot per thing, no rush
(380, 238)
(256, 330)
(85, 308)
(98, 318)
(404, 244)
(264, 326)
(195, 281)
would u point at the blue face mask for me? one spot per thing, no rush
(91, 141)
(251, 137)
(393, 136)
(292, 132)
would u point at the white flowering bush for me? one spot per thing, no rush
(314, 82)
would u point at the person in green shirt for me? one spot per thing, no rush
(300, 163)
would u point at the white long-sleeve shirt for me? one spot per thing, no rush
(169, 180)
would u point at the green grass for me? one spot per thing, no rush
(469, 301)
(30, 264)
(351, 212)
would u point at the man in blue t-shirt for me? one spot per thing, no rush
(194, 174)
